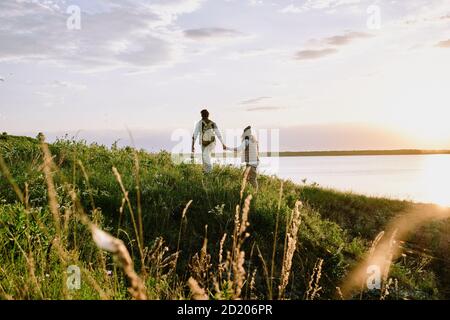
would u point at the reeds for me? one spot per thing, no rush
(197, 292)
(221, 265)
(291, 246)
(115, 246)
(233, 274)
(275, 240)
(238, 257)
(386, 281)
(313, 286)
(48, 167)
(200, 264)
(130, 208)
(233, 266)
(182, 221)
(102, 239)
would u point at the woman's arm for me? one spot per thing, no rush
(243, 145)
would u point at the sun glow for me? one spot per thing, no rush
(436, 178)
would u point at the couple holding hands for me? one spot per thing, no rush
(207, 131)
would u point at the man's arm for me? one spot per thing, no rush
(218, 134)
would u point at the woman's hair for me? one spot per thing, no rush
(204, 113)
(247, 132)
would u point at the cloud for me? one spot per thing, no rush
(68, 85)
(126, 33)
(211, 33)
(264, 108)
(345, 39)
(444, 44)
(327, 46)
(292, 9)
(255, 100)
(317, 5)
(174, 8)
(349, 136)
(314, 54)
(252, 53)
(255, 2)
(50, 99)
(424, 13)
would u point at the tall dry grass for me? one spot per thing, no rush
(385, 250)
(115, 246)
(291, 246)
(232, 275)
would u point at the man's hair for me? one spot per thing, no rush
(204, 113)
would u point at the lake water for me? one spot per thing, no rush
(420, 178)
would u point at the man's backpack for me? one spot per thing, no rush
(208, 134)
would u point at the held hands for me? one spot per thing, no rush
(225, 148)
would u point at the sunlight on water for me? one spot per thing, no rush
(419, 178)
(436, 178)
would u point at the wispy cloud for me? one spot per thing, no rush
(317, 5)
(251, 53)
(327, 46)
(314, 54)
(263, 108)
(341, 40)
(255, 2)
(115, 34)
(68, 85)
(255, 100)
(292, 9)
(212, 33)
(444, 44)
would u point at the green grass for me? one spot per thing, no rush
(336, 227)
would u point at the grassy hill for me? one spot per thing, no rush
(143, 198)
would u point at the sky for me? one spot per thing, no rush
(315, 74)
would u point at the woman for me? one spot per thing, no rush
(249, 149)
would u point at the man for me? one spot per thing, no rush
(207, 130)
(249, 149)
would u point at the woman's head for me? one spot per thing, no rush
(247, 132)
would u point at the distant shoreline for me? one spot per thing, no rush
(336, 153)
(400, 152)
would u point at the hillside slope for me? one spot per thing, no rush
(336, 228)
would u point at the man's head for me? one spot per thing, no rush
(205, 114)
